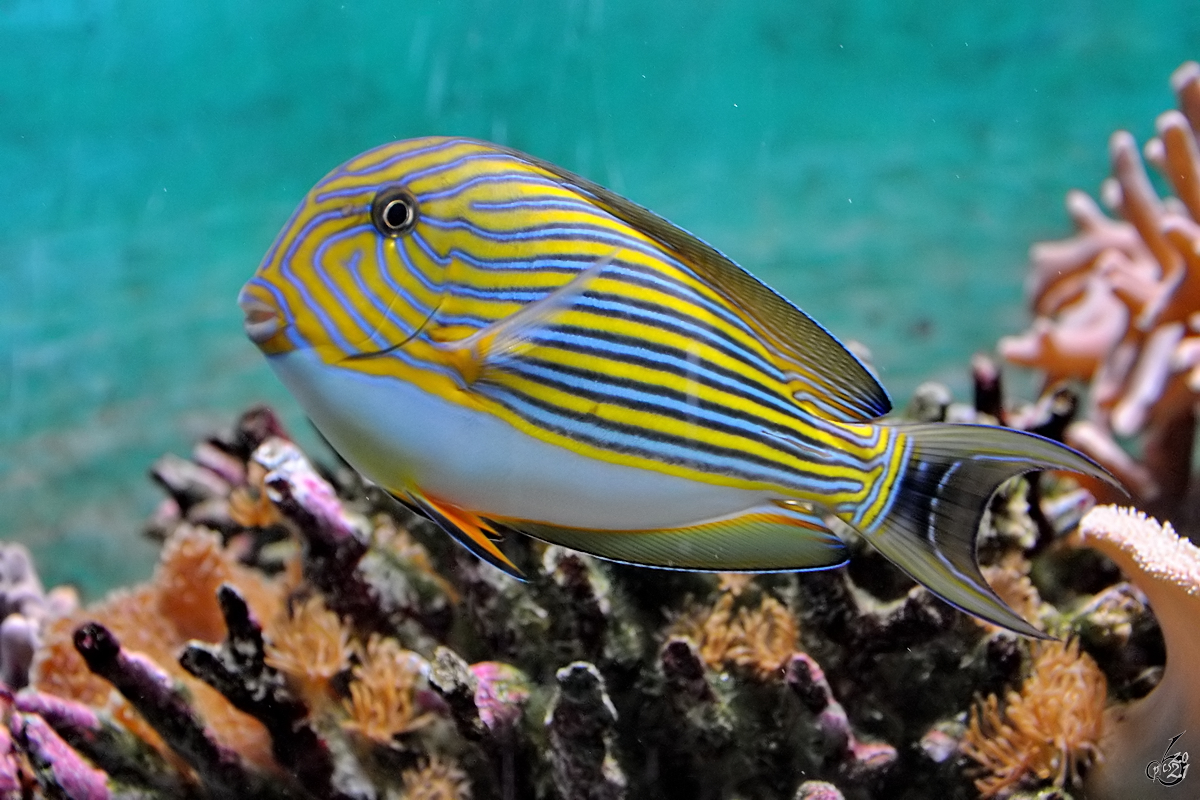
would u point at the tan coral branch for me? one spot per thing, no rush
(1166, 568)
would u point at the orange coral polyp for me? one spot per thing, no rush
(1047, 732)
(249, 505)
(382, 704)
(310, 647)
(759, 640)
(1010, 579)
(436, 780)
(193, 565)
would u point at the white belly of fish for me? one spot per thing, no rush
(398, 436)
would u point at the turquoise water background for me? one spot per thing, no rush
(884, 164)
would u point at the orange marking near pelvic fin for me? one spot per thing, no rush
(475, 527)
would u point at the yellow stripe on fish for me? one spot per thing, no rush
(507, 346)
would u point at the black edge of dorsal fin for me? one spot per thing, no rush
(833, 368)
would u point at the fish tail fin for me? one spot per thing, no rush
(927, 521)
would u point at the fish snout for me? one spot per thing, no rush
(262, 318)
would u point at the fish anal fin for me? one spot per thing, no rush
(769, 538)
(467, 528)
(506, 337)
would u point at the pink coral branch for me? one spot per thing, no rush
(59, 712)
(1181, 159)
(1075, 344)
(1185, 82)
(1059, 269)
(1139, 202)
(1148, 381)
(1095, 442)
(1182, 296)
(10, 777)
(293, 484)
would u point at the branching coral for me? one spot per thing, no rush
(238, 669)
(807, 680)
(158, 697)
(24, 609)
(216, 488)
(1047, 732)
(581, 723)
(49, 753)
(1167, 569)
(1118, 305)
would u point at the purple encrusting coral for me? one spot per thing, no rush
(64, 768)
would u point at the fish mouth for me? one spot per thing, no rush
(261, 320)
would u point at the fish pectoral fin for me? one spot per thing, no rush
(769, 538)
(490, 345)
(468, 529)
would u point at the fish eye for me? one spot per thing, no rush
(394, 211)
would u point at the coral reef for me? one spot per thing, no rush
(157, 621)
(322, 641)
(1117, 307)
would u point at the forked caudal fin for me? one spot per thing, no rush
(930, 522)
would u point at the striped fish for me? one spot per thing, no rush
(508, 347)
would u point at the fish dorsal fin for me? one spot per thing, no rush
(830, 380)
